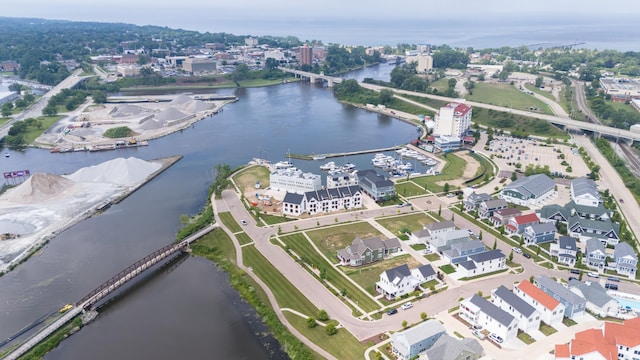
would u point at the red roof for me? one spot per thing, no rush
(542, 297)
(526, 219)
(627, 334)
(592, 340)
(562, 351)
(468, 139)
(462, 109)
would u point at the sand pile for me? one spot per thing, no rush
(151, 124)
(39, 188)
(170, 114)
(125, 110)
(180, 100)
(196, 106)
(120, 171)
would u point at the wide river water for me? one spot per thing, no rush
(187, 310)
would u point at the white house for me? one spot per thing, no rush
(529, 191)
(566, 250)
(477, 310)
(400, 280)
(294, 180)
(410, 343)
(585, 192)
(482, 263)
(598, 301)
(527, 316)
(551, 310)
(626, 260)
(322, 201)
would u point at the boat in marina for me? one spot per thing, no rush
(283, 164)
(328, 166)
(430, 162)
(319, 157)
(348, 166)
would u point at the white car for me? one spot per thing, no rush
(593, 275)
(406, 306)
(495, 338)
(517, 250)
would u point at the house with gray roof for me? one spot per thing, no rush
(566, 250)
(584, 191)
(401, 280)
(529, 191)
(595, 255)
(598, 301)
(527, 316)
(409, 343)
(482, 263)
(479, 311)
(625, 259)
(605, 231)
(574, 305)
(539, 233)
(443, 241)
(474, 200)
(553, 213)
(440, 227)
(460, 251)
(450, 348)
(501, 216)
(488, 207)
(366, 251)
(322, 201)
(376, 186)
(597, 212)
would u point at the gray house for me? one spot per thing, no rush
(566, 250)
(530, 190)
(474, 200)
(598, 301)
(365, 251)
(460, 251)
(450, 348)
(376, 186)
(585, 192)
(488, 207)
(595, 255)
(410, 343)
(626, 259)
(574, 305)
(539, 233)
(605, 231)
(527, 316)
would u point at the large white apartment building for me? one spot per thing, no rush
(454, 119)
(424, 62)
(295, 181)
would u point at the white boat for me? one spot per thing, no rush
(348, 166)
(328, 166)
(6, 154)
(430, 161)
(283, 164)
(319, 157)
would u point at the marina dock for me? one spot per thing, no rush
(333, 155)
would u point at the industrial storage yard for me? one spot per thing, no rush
(46, 204)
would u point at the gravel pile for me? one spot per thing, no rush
(126, 110)
(39, 188)
(170, 114)
(120, 171)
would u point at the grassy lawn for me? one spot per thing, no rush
(427, 101)
(402, 224)
(568, 322)
(483, 275)
(243, 238)
(408, 188)
(332, 239)
(4, 120)
(538, 91)
(228, 220)
(419, 247)
(546, 264)
(506, 95)
(299, 244)
(367, 276)
(286, 294)
(453, 169)
(432, 257)
(342, 345)
(512, 122)
(526, 338)
(441, 84)
(448, 269)
(546, 329)
(247, 178)
(273, 219)
(33, 132)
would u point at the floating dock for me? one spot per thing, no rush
(334, 155)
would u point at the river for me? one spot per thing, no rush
(191, 311)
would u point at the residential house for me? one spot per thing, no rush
(443, 241)
(598, 301)
(625, 259)
(419, 237)
(365, 251)
(450, 348)
(293, 204)
(477, 310)
(501, 217)
(440, 227)
(342, 179)
(294, 180)
(517, 224)
(473, 201)
(612, 341)
(551, 310)
(597, 212)
(376, 186)
(565, 250)
(527, 316)
(553, 213)
(460, 251)
(539, 233)
(408, 344)
(584, 191)
(488, 207)
(400, 280)
(322, 201)
(482, 263)
(595, 255)
(584, 229)
(574, 305)
(529, 191)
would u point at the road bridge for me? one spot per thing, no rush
(313, 77)
(109, 287)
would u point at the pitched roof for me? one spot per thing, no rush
(440, 225)
(419, 332)
(495, 203)
(592, 340)
(559, 290)
(478, 197)
(398, 273)
(526, 219)
(627, 333)
(421, 233)
(582, 186)
(508, 212)
(623, 249)
(512, 299)
(547, 211)
(593, 293)
(540, 228)
(449, 348)
(540, 296)
(535, 185)
(593, 245)
(486, 256)
(567, 243)
(492, 310)
(293, 198)
(601, 226)
(426, 270)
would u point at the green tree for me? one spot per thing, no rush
(511, 256)
(439, 210)
(404, 323)
(445, 188)
(311, 322)
(539, 80)
(331, 329)
(49, 111)
(6, 111)
(241, 72)
(423, 316)
(385, 96)
(514, 176)
(99, 96)
(495, 244)
(322, 315)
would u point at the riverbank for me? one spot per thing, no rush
(226, 85)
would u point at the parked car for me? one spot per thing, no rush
(495, 338)
(517, 250)
(527, 255)
(593, 275)
(613, 278)
(575, 271)
(621, 200)
(611, 286)
(478, 334)
(392, 311)
(572, 278)
(407, 305)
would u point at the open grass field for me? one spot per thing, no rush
(453, 169)
(228, 220)
(427, 101)
(4, 120)
(405, 223)
(367, 276)
(332, 239)
(342, 345)
(408, 188)
(286, 294)
(34, 131)
(247, 178)
(506, 95)
(538, 91)
(441, 84)
(218, 240)
(301, 246)
(511, 122)
(243, 238)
